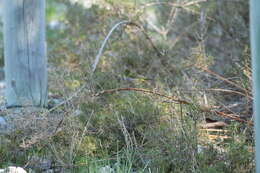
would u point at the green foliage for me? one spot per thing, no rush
(133, 111)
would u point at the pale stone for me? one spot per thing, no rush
(13, 169)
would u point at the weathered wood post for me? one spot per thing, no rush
(24, 51)
(255, 51)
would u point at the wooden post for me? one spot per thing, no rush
(25, 54)
(255, 51)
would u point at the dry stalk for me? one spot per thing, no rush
(176, 5)
(128, 139)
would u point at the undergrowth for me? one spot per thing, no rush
(191, 53)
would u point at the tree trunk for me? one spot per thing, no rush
(255, 51)
(24, 51)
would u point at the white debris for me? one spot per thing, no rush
(13, 169)
(106, 169)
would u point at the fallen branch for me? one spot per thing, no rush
(215, 125)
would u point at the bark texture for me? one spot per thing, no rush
(24, 51)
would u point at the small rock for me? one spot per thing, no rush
(39, 163)
(2, 121)
(4, 126)
(106, 169)
(13, 169)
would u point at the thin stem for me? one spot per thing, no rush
(94, 66)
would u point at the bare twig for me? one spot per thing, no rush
(215, 130)
(225, 80)
(172, 16)
(159, 53)
(75, 94)
(94, 66)
(184, 6)
(194, 2)
(217, 90)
